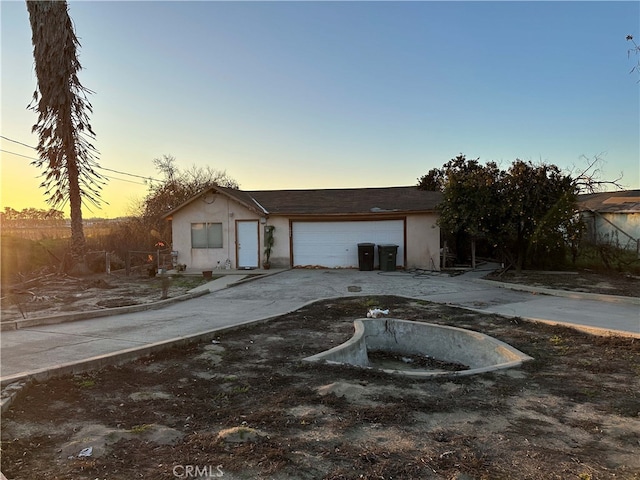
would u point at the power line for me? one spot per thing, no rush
(17, 154)
(130, 174)
(123, 180)
(101, 168)
(15, 141)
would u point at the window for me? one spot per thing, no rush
(206, 235)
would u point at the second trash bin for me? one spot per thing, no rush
(387, 254)
(365, 256)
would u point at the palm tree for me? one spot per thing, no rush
(65, 135)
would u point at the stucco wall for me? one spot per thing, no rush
(423, 241)
(422, 236)
(600, 228)
(280, 257)
(221, 210)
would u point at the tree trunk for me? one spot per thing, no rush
(443, 262)
(63, 127)
(473, 253)
(78, 242)
(519, 251)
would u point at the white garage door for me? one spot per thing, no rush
(335, 244)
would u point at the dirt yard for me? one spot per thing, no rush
(56, 294)
(584, 281)
(244, 406)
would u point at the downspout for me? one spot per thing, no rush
(229, 234)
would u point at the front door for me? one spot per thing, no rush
(247, 245)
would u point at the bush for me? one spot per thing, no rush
(607, 257)
(20, 256)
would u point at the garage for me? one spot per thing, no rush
(334, 244)
(314, 228)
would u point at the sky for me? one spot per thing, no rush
(296, 95)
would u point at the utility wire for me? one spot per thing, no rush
(15, 141)
(102, 168)
(17, 154)
(129, 174)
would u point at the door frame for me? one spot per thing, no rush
(238, 239)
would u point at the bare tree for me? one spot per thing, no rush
(177, 187)
(65, 134)
(635, 50)
(588, 179)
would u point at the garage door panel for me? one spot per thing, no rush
(335, 244)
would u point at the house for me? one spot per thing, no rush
(321, 228)
(612, 217)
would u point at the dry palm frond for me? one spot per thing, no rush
(65, 134)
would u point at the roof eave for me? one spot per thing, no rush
(386, 213)
(256, 208)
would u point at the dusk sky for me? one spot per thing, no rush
(334, 94)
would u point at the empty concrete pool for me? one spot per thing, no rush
(474, 352)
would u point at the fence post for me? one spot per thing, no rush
(444, 256)
(107, 261)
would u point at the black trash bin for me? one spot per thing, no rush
(366, 256)
(387, 256)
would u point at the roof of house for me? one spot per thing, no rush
(624, 201)
(343, 201)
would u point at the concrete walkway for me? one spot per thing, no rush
(41, 351)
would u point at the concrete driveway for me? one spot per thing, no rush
(41, 351)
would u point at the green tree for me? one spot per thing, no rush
(64, 132)
(434, 180)
(31, 214)
(540, 205)
(9, 214)
(470, 205)
(528, 213)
